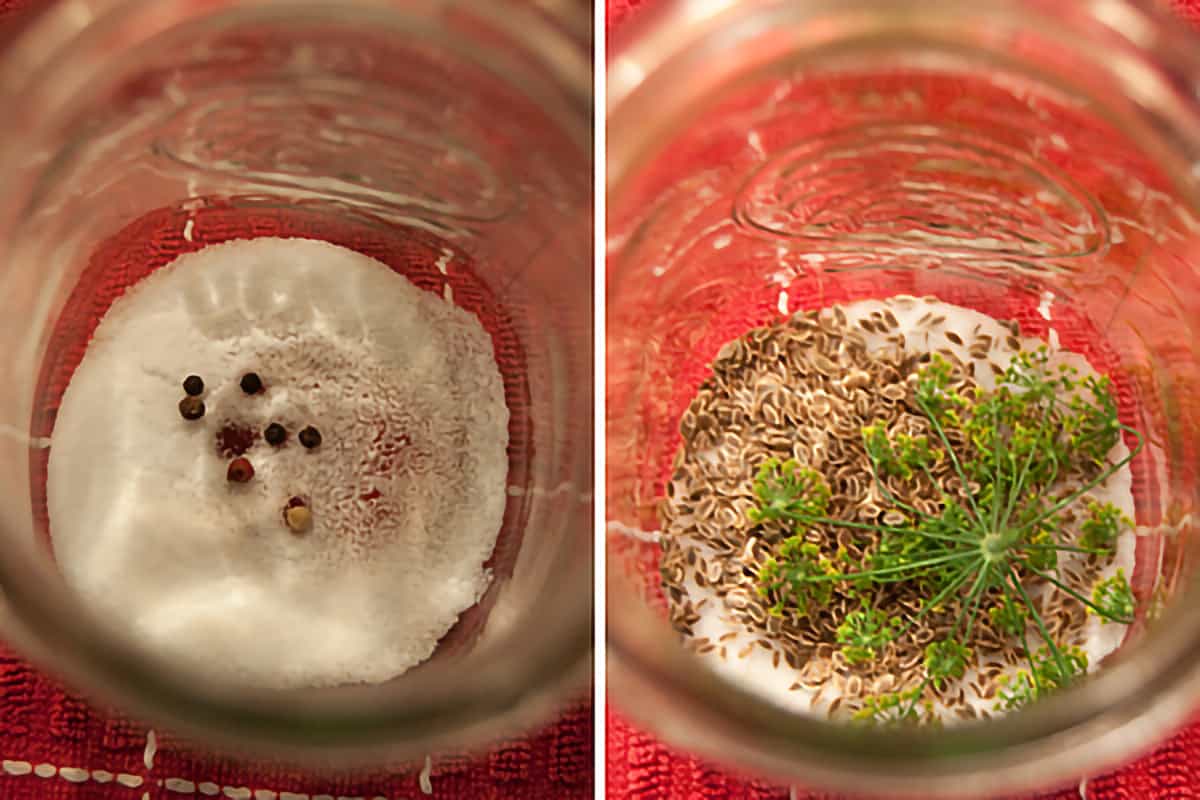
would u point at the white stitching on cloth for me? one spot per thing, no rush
(177, 785)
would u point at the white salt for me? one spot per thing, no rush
(407, 489)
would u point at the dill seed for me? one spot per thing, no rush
(806, 389)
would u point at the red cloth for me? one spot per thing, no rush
(54, 745)
(639, 767)
(618, 10)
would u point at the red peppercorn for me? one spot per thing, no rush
(240, 470)
(234, 440)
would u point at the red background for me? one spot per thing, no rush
(40, 723)
(74, 745)
(642, 768)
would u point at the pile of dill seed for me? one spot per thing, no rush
(797, 403)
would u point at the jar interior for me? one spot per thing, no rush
(421, 139)
(876, 168)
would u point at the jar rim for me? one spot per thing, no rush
(421, 711)
(666, 67)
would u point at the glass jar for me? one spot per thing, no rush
(767, 156)
(450, 139)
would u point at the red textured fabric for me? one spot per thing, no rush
(639, 767)
(54, 746)
(618, 10)
(84, 751)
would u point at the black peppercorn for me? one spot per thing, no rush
(275, 434)
(193, 385)
(251, 383)
(310, 437)
(191, 408)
